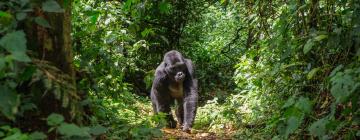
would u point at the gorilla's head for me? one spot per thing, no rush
(174, 66)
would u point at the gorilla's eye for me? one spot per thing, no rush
(183, 67)
(175, 68)
(172, 68)
(179, 66)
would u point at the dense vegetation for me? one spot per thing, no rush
(83, 69)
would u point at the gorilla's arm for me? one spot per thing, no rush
(191, 96)
(160, 95)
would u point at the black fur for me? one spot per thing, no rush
(175, 80)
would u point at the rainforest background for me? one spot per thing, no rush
(274, 69)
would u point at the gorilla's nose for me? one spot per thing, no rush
(180, 74)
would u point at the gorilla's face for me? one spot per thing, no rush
(176, 71)
(175, 66)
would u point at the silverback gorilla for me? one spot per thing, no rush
(175, 80)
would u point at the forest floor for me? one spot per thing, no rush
(177, 134)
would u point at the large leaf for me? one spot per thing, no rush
(2, 62)
(5, 15)
(308, 46)
(318, 128)
(320, 37)
(9, 102)
(164, 7)
(17, 136)
(146, 32)
(27, 73)
(343, 85)
(289, 102)
(37, 136)
(94, 17)
(69, 130)
(42, 22)
(304, 105)
(97, 130)
(312, 73)
(52, 6)
(55, 119)
(338, 68)
(21, 16)
(14, 42)
(20, 57)
(24, 2)
(292, 124)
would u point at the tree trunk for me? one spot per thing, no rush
(52, 47)
(313, 14)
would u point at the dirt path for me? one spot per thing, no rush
(177, 134)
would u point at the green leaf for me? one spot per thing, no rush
(165, 39)
(312, 73)
(281, 128)
(318, 128)
(21, 16)
(14, 42)
(67, 3)
(292, 124)
(22, 57)
(55, 119)
(5, 14)
(308, 46)
(320, 37)
(69, 130)
(292, 111)
(42, 22)
(52, 6)
(94, 17)
(97, 130)
(289, 102)
(28, 106)
(27, 74)
(164, 7)
(127, 5)
(17, 136)
(304, 105)
(5, 127)
(9, 102)
(146, 32)
(338, 68)
(342, 86)
(24, 2)
(37, 136)
(133, 28)
(2, 62)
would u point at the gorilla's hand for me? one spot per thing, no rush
(186, 128)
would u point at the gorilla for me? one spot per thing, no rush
(175, 80)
